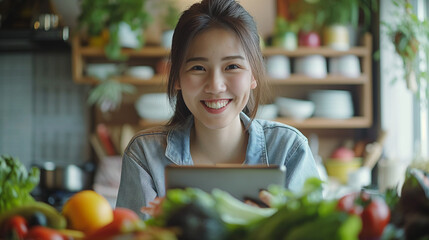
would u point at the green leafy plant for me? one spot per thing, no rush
(16, 183)
(108, 94)
(409, 36)
(368, 7)
(97, 15)
(308, 15)
(282, 26)
(343, 12)
(171, 14)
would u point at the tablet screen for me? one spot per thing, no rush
(241, 181)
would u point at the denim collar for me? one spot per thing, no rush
(178, 143)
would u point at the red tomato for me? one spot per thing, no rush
(124, 221)
(121, 214)
(373, 211)
(375, 217)
(43, 233)
(15, 226)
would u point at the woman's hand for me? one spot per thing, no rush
(154, 209)
(263, 201)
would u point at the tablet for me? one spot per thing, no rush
(241, 181)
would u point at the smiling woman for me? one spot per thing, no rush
(215, 85)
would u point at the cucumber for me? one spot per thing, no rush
(54, 218)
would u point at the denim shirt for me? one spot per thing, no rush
(144, 159)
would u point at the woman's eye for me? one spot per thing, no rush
(198, 68)
(232, 66)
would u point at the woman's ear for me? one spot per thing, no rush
(177, 86)
(253, 84)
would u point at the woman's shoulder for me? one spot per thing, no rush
(157, 130)
(273, 127)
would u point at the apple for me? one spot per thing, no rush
(308, 39)
(343, 154)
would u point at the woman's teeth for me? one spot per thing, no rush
(216, 104)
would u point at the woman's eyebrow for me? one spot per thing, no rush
(197, 59)
(206, 59)
(233, 57)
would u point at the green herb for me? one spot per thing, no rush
(108, 94)
(16, 183)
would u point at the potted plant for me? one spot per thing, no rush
(285, 34)
(341, 15)
(309, 17)
(409, 35)
(108, 94)
(117, 17)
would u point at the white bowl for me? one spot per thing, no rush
(154, 107)
(332, 103)
(141, 72)
(102, 71)
(167, 39)
(267, 111)
(313, 65)
(278, 66)
(347, 65)
(295, 108)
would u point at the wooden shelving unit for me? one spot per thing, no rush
(362, 85)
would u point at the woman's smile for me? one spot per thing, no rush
(215, 105)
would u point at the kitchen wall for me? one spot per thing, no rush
(43, 113)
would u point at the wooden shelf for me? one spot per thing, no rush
(294, 79)
(309, 123)
(361, 86)
(157, 80)
(324, 51)
(143, 52)
(297, 79)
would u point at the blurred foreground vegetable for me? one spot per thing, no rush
(410, 211)
(305, 215)
(373, 211)
(16, 183)
(200, 215)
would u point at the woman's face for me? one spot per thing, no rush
(216, 78)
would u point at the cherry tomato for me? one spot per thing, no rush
(373, 211)
(375, 217)
(43, 233)
(15, 227)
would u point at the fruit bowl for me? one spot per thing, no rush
(340, 169)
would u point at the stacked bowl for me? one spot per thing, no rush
(335, 104)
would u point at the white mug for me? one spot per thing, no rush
(391, 174)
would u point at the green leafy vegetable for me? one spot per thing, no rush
(16, 183)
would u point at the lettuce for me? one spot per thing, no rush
(16, 183)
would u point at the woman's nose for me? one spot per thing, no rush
(215, 83)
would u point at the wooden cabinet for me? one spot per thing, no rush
(360, 87)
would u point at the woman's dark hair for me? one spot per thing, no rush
(201, 16)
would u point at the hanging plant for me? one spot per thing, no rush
(409, 37)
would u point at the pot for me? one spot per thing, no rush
(71, 177)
